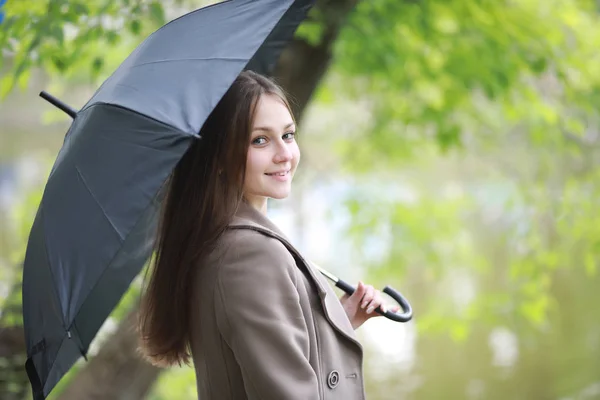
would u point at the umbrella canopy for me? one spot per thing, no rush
(94, 229)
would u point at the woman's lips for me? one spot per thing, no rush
(279, 176)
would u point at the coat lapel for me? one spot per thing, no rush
(247, 217)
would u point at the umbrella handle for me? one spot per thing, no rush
(407, 312)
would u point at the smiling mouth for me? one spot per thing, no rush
(284, 173)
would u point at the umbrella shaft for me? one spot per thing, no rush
(346, 287)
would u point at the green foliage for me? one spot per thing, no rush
(66, 36)
(511, 239)
(428, 66)
(513, 88)
(175, 383)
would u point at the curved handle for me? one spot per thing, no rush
(407, 312)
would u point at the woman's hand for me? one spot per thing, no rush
(362, 304)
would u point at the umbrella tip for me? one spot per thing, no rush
(59, 104)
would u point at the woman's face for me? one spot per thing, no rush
(273, 154)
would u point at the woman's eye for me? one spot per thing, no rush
(259, 140)
(289, 135)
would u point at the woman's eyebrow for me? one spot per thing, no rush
(263, 128)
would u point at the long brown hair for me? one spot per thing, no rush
(202, 195)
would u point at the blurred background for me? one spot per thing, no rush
(450, 149)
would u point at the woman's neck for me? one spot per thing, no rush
(258, 202)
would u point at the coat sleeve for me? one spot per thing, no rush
(259, 315)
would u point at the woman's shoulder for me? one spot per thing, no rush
(251, 244)
(252, 262)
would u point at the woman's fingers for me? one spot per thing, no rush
(359, 292)
(366, 299)
(356, 297)
(376, 301)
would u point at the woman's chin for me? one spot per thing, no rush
(280, 195)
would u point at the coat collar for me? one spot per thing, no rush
(247, 217)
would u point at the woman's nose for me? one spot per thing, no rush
(283, 153)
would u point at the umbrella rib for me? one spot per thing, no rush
(62, 343)
(98, 203)
(51, 271)
(151, 203)
(126, 142)
(130, 110)
(190, 59)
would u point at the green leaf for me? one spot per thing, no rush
(112, 37)
(535, 309)
(311, 32)
(6, 84)
(448, 137)
(23, 78)
(59, 63)
(80, 8)
(57, 33)
(157, 12)
(135, 26)
(97, 65)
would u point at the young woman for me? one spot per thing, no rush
(228, 291)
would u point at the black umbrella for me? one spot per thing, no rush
(94, 228)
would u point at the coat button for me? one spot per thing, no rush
(333, 379)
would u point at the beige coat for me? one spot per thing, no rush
(266, 325)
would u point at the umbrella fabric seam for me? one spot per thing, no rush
(62, 343)
(78, 341)
(188, 59)
(125, 142)
(100, 278)
(98, 203)
(51, 272)
(60, 313)
(102, 103)
(108, 266)
(68, 323)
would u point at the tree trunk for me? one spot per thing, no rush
(302, 66)
(117, 371)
